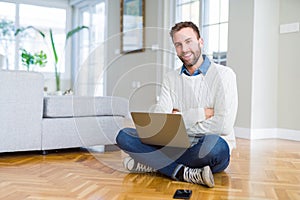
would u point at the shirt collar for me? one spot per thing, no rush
(202, 69)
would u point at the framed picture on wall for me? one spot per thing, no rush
(132, 26)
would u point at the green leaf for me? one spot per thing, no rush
(75, 30)
(27, 59)
(22, 29)
(40, 59)
(53, 47)
(19, 30)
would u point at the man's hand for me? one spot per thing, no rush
(175, 110)
(209, 112)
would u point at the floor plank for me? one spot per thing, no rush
(260, 169)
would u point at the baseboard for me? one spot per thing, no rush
(275, 133)
(288, 134)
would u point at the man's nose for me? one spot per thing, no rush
(185, 47)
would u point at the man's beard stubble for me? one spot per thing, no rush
(196, 54)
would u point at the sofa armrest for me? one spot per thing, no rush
(21, 105)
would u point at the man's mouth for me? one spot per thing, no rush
(187, 56)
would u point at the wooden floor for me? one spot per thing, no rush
(261, 169)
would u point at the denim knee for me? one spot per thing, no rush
(124, 138)
(121, 137)
(223, 146)
(220, 156)
(220, 149)
(218, 144)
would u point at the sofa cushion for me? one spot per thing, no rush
(80, 131)
(84, 106)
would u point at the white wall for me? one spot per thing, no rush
(289, 68)
(265, 64)
(240, 55)
(135, 76)
(267, 71)
(253, 54)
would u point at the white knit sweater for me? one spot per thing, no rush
(216, 89)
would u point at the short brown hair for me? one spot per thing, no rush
(177, 27)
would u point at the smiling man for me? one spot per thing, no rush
(188, 46)
(205, 94)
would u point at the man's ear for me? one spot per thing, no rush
(201, 42)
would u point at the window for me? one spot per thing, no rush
(7, 40)
(89, 71)
(215, 29)
(188, 10)
(54, 19)
(24, 15)
(212, 17)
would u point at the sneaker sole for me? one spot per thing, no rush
(131, 165)
(126, 164)
(208, 177)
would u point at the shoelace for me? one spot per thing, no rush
(143, 168)
(193, 175)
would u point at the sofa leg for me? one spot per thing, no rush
(44, 152)
(111, 147)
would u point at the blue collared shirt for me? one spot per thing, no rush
(202, 69)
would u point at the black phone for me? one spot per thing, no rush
(182, 194)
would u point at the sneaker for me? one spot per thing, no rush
(133, 166)
(202, 176)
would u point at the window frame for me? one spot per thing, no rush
(220, 54)
(78, 7)
(61, 4)
(201, 24)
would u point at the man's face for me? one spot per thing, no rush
(188, 47)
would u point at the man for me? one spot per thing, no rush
(205, 94)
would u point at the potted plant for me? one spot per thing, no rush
(55, 56)
(29, 59)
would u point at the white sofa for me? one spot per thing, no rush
(32, 121)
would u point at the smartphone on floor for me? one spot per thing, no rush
(182, 194)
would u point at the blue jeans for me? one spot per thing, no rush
(210, 150)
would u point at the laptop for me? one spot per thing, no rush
(161, 129)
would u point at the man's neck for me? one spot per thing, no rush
(192, 69)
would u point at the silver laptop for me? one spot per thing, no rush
(161, 129)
